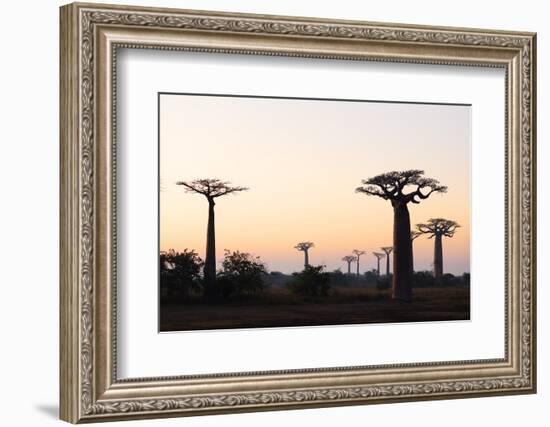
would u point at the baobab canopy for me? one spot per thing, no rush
(415, 234)
(303, 246)
(210, 187)
(392, 186)
(435, 226)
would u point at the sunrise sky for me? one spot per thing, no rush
(302, 160)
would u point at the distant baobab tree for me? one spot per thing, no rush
(211, 189)
(401, 188)
(388, 250)
(438, 227)
(305, 247)
(414, 235)
(349, 259)
(358, 254)
(378, 256)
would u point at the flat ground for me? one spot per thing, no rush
(277, 307)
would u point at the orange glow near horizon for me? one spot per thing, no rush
(302, 160)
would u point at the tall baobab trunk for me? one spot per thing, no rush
(358, 266)
(387, 250)
(378, 267)
(349, 267)
(438, 257)
(402, 253)
(414, 236)
(306, 259)
(412, 258)
(210, 261)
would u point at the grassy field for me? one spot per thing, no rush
(277, 307)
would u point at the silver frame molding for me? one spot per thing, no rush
(90, 37)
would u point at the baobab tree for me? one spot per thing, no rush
(349, 259)
(211, 189)
(358, 254)
(438, 227)
(305, 247)
(414, 235)
(378, 256)
(401, 188)
(388, 250)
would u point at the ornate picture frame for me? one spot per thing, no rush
(90, 37)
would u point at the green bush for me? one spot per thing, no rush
(449, 279)
(241, 274)
(180, 274)
(370, 276)
(312, 281)
(383, 282)
(339, 279)
(422, 279)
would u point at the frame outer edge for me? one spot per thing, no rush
(77, 343)
(533, 201)
(305, 19)
(68, 207)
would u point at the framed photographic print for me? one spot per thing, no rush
(265, 212)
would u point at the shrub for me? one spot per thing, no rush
(422, 279)
(449, 279)
(276, 278)
(371, 276)
(383, 282)
(241, 274)
(337, 278)
(312, 281)
(180, 273)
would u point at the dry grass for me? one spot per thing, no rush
(278, 307)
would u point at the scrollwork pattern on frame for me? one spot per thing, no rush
(289, 397)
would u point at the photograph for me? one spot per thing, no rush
(289, 212)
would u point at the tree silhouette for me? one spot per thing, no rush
(414, 235)
(179, 273)
(349, 259)
(305, 247)
(241, 274)
(211, 189)
(388, 250)
(438, 227)
(401, 188)
(378, 256)
(358, 254)
(313, 281)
